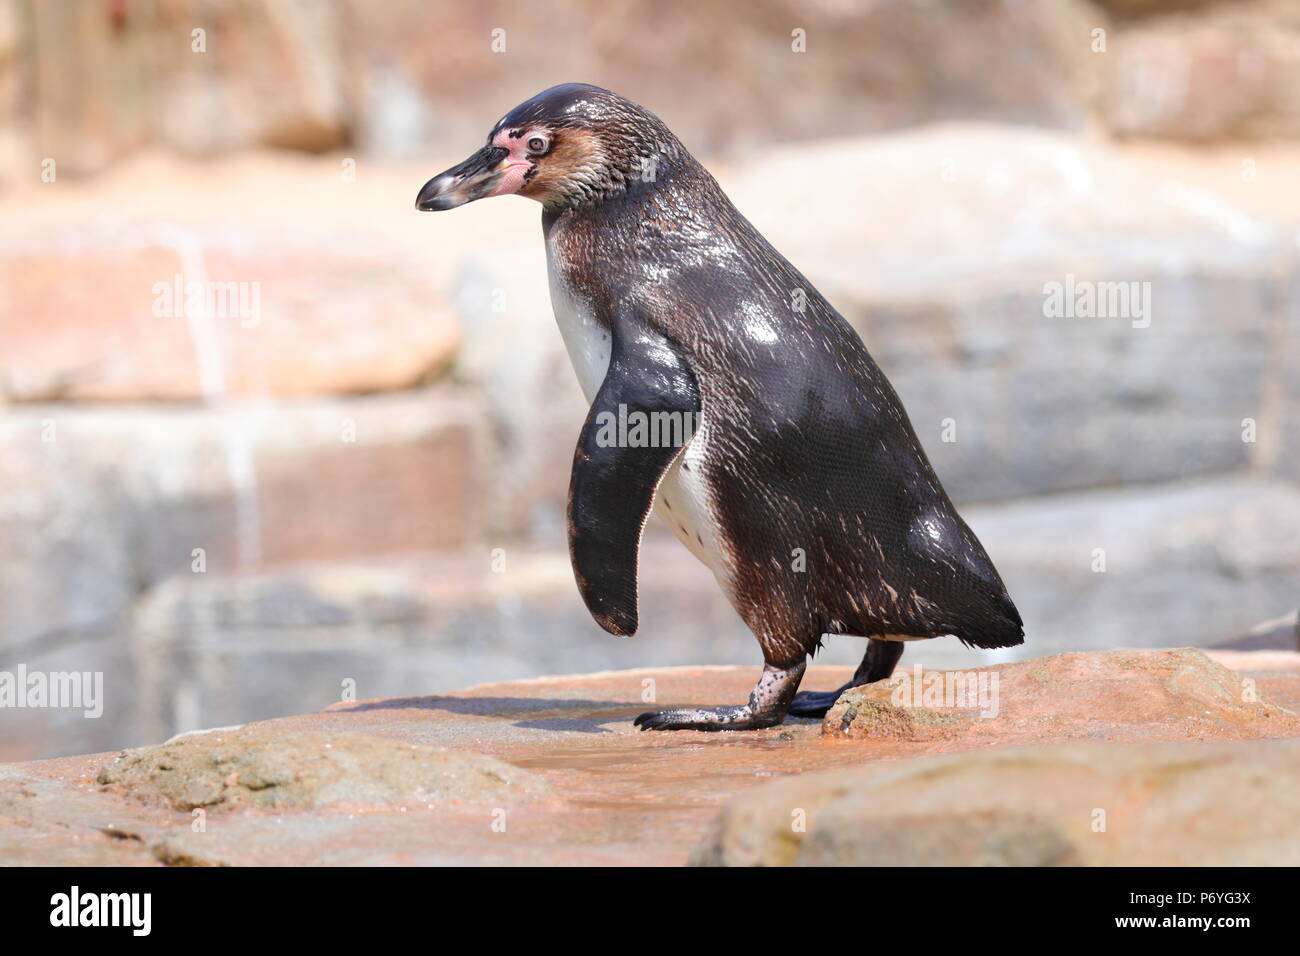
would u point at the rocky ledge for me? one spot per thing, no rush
(1157, 757)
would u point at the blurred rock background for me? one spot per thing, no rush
(357, 484)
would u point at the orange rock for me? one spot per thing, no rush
(152, 312)
(1167, 804)
(625, 797)
(1120, 695)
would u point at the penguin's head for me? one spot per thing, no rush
(567, 145)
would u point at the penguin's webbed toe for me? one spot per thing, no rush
(813, 703)
(739, 717)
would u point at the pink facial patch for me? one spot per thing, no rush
(513, 180)
(518, 162)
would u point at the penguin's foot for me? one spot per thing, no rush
(877, 664)
(814, 703)
(740, 717)
(768, 703)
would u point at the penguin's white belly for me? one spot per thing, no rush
(685, 504)
(683, 501)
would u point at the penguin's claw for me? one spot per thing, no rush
(703, 718)
(767, 705)
(813, 703)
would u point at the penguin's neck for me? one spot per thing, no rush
(674, 183)
(602, 250)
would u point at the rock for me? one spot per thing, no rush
(858, 714)
(109, 674)
(1060, 805)
(1229, 72)
(110, 314)
(1281, 444)
(1261, 666)
(411, 468)
(65, 520)
(15, 128)
(108, 501)
(318, 76)
(513, 353)
(1109, 695)
(261, 73)
(252, 768)
(988, 205)
(1280, 633)
(37, 814)
(313, 76)
(616, 796)
(1195, 562)
(220, 648)
(1143, 8)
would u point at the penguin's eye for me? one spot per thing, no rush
(537, 145)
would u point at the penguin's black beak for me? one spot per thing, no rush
(473, 179)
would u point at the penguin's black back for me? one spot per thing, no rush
(812, 460)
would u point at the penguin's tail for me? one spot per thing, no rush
(999, 626)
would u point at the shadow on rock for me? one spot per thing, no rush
(581, 716)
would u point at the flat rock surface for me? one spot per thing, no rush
(572, 782)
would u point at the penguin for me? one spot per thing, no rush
(727, 395)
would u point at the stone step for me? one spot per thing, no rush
(144, 309)
(100, 503)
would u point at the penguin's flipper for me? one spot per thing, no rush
(640, 420)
